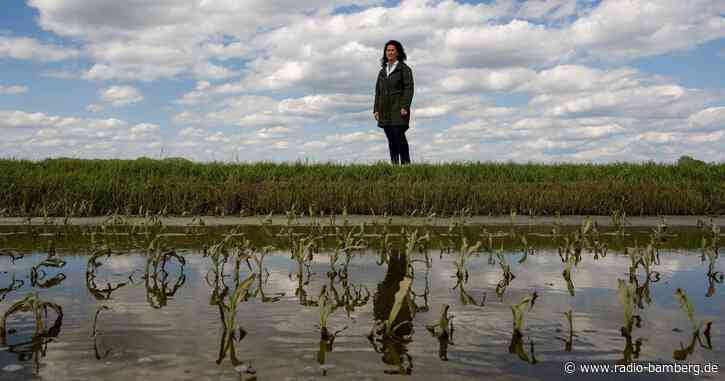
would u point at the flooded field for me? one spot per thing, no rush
(367, 302)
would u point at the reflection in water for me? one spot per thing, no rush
(443, 331)
(507, 275)
(15, 284)
(351, 283)
(465, 298)
(14, 255)
(228, 304)
(393, 329)
(710, 252)
(157, 279)
(262, 276)
(91, 267)
(628, 299)
(327, 337)
(642, 292)
(38, 272)
(516, 345)
(100, 355)
(415, 296)
(685, 304)
(37, 346)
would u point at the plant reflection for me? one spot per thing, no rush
(627, 293)
(327, 337)
(393, 328)
(227, 313)
(465, 298)
(516, 345)
(685, 304)
(443, 331)
(14, 255)
(38, 272)
(507, 275)
(37, 346)
(91, 267)
(159, 288)
(100, 355)
(15, 284)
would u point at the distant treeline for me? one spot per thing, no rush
(74, 187)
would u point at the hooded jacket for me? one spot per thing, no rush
(392, 93)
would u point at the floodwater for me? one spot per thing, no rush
(124, 316)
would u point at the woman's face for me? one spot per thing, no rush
(391, 53)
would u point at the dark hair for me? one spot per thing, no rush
(401, 52)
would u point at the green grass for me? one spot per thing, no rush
(59, 187)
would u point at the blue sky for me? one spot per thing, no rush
(544, 81)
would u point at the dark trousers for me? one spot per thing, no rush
(398, 144)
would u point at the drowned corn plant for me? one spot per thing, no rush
(526, 249)
(386, 338)
(157, 279)
(389, 326)
(619, 222)
(327, 337)
(516, 346)
(38, 273)
(262, 275)
(228, 304)
(686, 305)
(44, 332)
(570, 262)
(710, 247)
(464, 253)
(443, 331)
(506, 275)
(91, 267)
(628, 299)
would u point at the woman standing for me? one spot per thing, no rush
(393, 96)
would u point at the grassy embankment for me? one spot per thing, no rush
(70, 187)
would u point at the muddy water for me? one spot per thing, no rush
(126, 318)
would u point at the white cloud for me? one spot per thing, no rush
(95, 108)
(466, 80)
(13, 90)
(24, 48)
(21, 119)
(121, 95)
(626, 29)
(547, 9)
(709, 119)
(546, 77)
(39, 135)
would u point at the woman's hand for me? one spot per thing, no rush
(376, 115)
(403, 112)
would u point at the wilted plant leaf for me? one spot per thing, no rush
(399, 299)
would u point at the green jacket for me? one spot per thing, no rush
(393, 93)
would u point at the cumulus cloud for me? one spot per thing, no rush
(24, 48)
(38, 135)
(121, 95)
(522, 80)
(13, 90)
